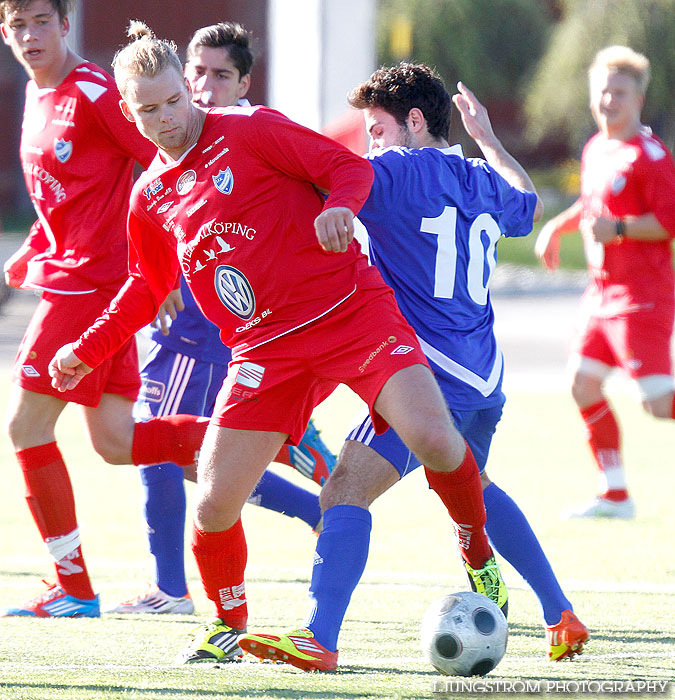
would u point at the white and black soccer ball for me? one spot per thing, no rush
(464, 634)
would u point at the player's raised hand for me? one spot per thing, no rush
(171, 307)
(66, 369)
(547, 247)
(335, 229)
(474, 116)
(599, 229)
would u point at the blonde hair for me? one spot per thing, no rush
(622, 59)
(144, 55)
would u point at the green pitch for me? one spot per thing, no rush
(619, 575)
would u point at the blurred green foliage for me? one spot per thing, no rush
(488, 45)
(556, 97)
(527, 60)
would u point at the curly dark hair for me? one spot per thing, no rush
(226, 35)
(63, 7)
(397, 89)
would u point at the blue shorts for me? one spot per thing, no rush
(477, 428)
(176, 383)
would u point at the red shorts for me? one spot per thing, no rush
(638, 342)
(61, 319)
(276, 386)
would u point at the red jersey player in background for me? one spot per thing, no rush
(232, 199)
(626, 215)
(77, 153)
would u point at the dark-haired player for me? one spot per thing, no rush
(433, 221)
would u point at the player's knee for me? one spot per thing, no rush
(661, 407)
(12, 428)
(578, 392)
(337, 491)
(213, 515)
(23, 432)
(584, 393)
(110, 450)
(440, 447)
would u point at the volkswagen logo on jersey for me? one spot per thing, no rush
(224, 181)
(235, 291)
(63, 149)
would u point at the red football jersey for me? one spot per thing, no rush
(239, 209)
(77, 153)
(630, 178)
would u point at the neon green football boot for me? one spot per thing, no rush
(489, 582)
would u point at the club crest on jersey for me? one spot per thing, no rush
(63, 149)
(186, 182)
(618, 184)
(224, 181)
(235, 291)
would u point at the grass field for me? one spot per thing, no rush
(620, 575)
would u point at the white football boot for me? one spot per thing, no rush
(154, 600)
(604, 508)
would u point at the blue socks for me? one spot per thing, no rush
(278, 494)
(165, 516)
(339, 560)
(511, 535)
(165, 506)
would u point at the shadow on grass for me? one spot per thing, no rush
(624, 636)
(107, 691)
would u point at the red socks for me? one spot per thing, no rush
(174, 439)
(462, 494)
(602, 433)
(50, 498)
(221, 559)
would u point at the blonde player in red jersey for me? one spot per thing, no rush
(77, 154)
(232, 200)
(626, 215)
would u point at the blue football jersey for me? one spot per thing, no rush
(433, 219)
(192, 334)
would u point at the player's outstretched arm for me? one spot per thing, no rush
(642, 228)
(66, 369)
(16, 267)
(335, 229)
(547, 245)
(477, 124)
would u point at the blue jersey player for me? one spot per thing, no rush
(187, 363)
(433, 220)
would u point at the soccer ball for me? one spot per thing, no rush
(464, 634)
